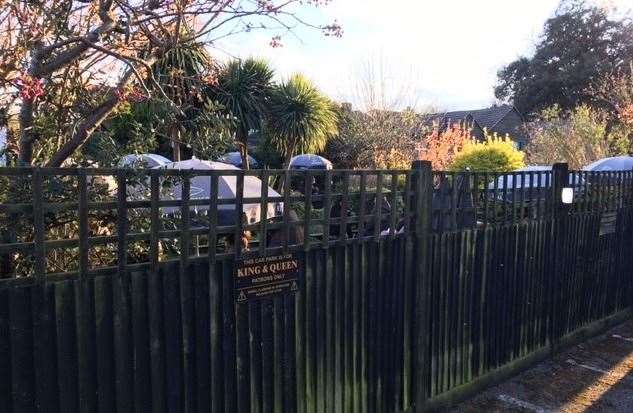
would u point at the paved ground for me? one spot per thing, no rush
(596, 376)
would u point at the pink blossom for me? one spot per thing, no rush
(275, 42)
(30, 87)
(333, 30)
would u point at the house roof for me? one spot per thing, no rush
(484, 118)
(457, 115)
(444, 119)
(489, 117)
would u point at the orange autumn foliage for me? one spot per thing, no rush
(441, 146)
(626, 114)
(392, 159)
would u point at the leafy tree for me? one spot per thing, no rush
(207, 131)
(615, 91)
(266, 153)
(441, 146)
(614, 94)
(392, 159)
(300, 118)
(577, 137)
(54, 52)
(495, 154)
(133, 129)
(244, 88)
(155, 124)
(366, 139)
(580, 44)
(147, 127)
(183, 73)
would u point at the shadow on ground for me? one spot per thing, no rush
(596, 376)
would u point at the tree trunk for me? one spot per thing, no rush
(287, 159)
(90, 124)
(244, 153)
(27, 138)
(175, 151)
(290, 150)
(175, 143)
(84, 131)
(39, 68)
(286, 166)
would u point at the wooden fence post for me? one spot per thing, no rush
(38, 225)
(423, 195)
(560, 179)
(122, 221)
(84, 231)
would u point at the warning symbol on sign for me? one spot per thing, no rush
(241, 296)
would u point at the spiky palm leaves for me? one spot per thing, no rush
(243, 88)
(300, 118)
(297, 116)
(181, 73)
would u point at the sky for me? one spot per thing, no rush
(439, 54)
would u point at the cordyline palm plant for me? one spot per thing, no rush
(243, 89)
(182, 74)
(180, 70)
(300, 118)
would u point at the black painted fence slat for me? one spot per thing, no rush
(21, 344)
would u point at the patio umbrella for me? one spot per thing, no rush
(536, 185)
(617, 163)
(143, 160)
(530, 181)
(235, 159)
(309, 161)
(227, 189)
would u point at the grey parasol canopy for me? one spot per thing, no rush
(227, 189)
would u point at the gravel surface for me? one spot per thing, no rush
(596, 376)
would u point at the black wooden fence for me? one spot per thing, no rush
(418, 287)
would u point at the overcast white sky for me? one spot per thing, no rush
(444, 52)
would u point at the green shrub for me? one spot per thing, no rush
(578, 137)
(495, 154)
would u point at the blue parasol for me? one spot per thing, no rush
(235, 159)
(616, 163)
(310, 161)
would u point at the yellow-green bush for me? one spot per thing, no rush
(495, 154)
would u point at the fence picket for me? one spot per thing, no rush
(156, 336)
(86, 341)
(21, 343)
(140, 341)
(38, 224)
(6, 402)
(104, 323)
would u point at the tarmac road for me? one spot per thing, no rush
(596, 376)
